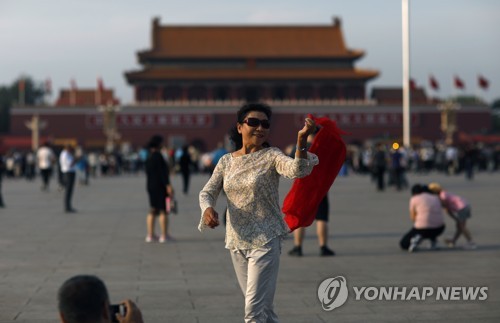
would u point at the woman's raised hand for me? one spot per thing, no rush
(309, 128)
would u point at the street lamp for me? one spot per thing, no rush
(110, 129)
(35, 125)
(449, 119)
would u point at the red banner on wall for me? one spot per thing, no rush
(384, 119)
(138, 121)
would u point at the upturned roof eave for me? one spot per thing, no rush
(144, 55)
(146, 75)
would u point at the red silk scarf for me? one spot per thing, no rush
(302, 202)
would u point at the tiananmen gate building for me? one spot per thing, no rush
(251, 63)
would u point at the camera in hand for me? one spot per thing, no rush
(117, 309)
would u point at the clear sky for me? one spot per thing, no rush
(85, 39)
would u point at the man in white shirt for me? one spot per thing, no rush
(451, 155)
(45, 159)
(67, 163)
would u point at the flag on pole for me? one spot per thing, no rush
(48, 86)
(483, 82)
(433, 83)
(459, 84)
(413, 85)
(72, 99)
(99, 91)
(21, 90)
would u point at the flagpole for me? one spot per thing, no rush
(406, 72)
(21, 91)
(478, 93)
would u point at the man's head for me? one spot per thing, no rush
(69, 147)
(83, 299)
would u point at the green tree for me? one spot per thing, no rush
(5, 103)
(469, 99)
(495, 109)
(34, 93)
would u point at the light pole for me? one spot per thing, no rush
(35, 125)
(405, 13)
(110, 127)
(449, 119)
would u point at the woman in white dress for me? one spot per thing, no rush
(255, 227)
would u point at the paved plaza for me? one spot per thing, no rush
(192, 280)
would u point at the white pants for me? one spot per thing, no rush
(257, 272)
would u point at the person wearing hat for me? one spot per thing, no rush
(459, 209)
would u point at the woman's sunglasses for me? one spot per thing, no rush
(254, 123)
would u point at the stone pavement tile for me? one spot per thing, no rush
(167, 284)
(33, 313)
(176, 301)
(8, 313)
(437, 311)
(220, 317)
(160, 316)
(298, 318)
(219, 303)
(388, 317)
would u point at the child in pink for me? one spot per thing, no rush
(459, 209)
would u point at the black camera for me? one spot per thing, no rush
(117, 309)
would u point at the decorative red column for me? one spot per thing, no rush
(185, 93)
(136, 93)
(233, 93)
(316, 93)
(159, 91)
(267, 92)
(210, 93)
(291, 92)
(340, 92)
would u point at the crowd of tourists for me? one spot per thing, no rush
(366, 158)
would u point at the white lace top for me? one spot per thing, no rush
(251, 186)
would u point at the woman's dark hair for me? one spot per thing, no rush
(425, 189)
(155, 141)
(417, 189)
(236, 137)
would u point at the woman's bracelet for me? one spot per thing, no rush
(301, 149)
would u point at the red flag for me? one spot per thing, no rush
(413, 85)
(21, 87)
(48, 86)
(100, 85)
(483, 83)
(459, 84)
(72, 97)
(99, 92)
(434, 83)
